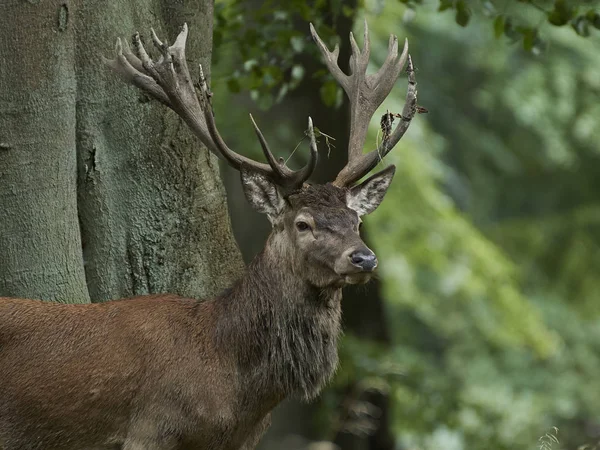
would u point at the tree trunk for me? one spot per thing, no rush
(152, 206)
(40, 244)
(76, 141)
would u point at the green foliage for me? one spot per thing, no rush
(489, 237)
(271, 52)
(489, 240)
(521, 21)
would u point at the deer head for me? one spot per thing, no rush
(315, 227)
(318, 226)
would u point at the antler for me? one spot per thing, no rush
(168, 80)
(366, 93)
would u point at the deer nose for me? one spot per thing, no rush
(365, 259)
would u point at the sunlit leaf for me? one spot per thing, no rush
(463, 13)
(499, 26)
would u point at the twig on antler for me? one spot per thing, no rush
(366, 93)
(168, 81)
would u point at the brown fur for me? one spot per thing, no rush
(163, 372)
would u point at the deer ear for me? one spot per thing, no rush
(262, 193)
(367, 196)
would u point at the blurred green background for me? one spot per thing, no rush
(483, 329)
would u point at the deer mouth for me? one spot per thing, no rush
(356, 265)
(356, 268)
(358, 277)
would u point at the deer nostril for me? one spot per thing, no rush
(365, 259)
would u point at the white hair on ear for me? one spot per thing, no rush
(262, 194)
(368, 195)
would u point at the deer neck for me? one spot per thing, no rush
(283, 330)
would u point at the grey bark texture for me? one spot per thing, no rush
(152, 205)
(40, 244)
(79, 143)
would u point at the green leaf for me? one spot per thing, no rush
(594, 18)
(539, 46)
(297, 72)
(499, 26)
(250, 64)
(347, 11)
(445, 4)
(233, 85)
(510, 31)
(581, 26)
(297, 43)
(488, 8)
(329, 93)
(529, 36)
(285, 87)
(561, 14)
(280, 15)
(463, 13)
(555, 18)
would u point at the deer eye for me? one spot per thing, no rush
(302, 226)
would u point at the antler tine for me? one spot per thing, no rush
(158, 43)
(130, 69)
(132, 59)
(168, 80)
(147, 62)
(363, 165)
(365, 92)
(278, 168)
(331, 59)
(408, 113)
(284, 175)
(234, 159)
(366, 41)
(307, 170)
(360, 60)
(278, 172)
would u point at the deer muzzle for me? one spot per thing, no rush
(356, 262)
(364, 259)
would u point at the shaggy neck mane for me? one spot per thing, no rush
(284, 330)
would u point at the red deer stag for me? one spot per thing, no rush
(162, 372)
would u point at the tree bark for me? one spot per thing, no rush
(40, 245)
(152, 206)
(76, 142)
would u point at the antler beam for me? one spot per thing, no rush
(366, 93)
(168, 80)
